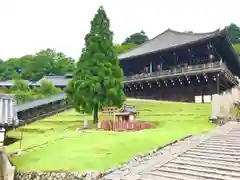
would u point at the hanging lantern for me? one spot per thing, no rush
(211, 56)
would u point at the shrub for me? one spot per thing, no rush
(5, 90)
(22, 96)
(20, 85)
(47, 89)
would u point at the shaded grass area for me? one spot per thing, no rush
(98, 150)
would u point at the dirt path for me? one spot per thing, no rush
(213, 156)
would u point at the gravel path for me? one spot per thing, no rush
(213, 156)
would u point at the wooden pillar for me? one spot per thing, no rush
(150, 67)
(218, 83)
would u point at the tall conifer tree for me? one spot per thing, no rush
(98, 79)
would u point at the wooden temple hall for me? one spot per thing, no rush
(178, 66)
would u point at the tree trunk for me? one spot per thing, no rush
(95, 114)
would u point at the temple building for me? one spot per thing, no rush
(180, 66)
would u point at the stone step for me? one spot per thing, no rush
(224, 141)
(203, 169)
(154, 176)
(213, 155)
(219, 147)
(230, 160)
(237, 154)
(222, 144)
(233, 138)
(197, 174)
(207, 165)
(210, 161)
(172, 175)
(229, 135)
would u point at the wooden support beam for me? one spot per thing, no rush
(218, 84)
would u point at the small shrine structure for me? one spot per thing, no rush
(123, 119)
(126, 113)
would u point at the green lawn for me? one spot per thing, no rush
(98, 150)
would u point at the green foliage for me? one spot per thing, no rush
(22, 96)
(20, 85)
(24, 93)
(237, 48)
(47, 89)
(234, 33)
(98, 80)
(34, 67)
(137, 38)
(4, 90)
(124, 47)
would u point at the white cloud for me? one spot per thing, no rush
(30, 25)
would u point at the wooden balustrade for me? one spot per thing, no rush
(173, 71)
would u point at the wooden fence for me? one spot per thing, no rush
(226, 105)
(119, 125)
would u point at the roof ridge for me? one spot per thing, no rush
(145, 42)
(194, 33)
(53, 76)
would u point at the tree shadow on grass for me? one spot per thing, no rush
(32, 130)
(11, 140)
(73, 115)
(172, 114)
(155, 123)
(144, 110)
(71, 125)
(61, 122)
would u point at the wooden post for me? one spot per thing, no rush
(218, 84)
(20, 145)
(2, 137)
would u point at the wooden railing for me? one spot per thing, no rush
(119, 125)
(173, 71)
(229, 73)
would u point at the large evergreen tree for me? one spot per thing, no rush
(136, 38)
(98, 79)
(234, 33)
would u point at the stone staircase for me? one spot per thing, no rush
(214, 156)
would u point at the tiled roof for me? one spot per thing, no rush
(166, 40)
(10, 82)
(55, 80)
(6, 96)
(128, 108)
(36, 103)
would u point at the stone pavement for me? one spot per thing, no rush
(215, 156)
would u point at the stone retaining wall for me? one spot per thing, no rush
(57, 175)
(47, 176)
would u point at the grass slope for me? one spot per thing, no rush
(98, 150)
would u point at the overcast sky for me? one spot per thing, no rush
(27, 26)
